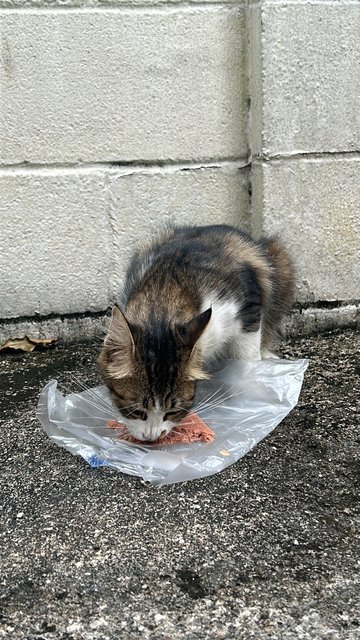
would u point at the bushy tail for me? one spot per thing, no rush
(284, 273)
(283, 287)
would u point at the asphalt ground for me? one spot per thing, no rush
(268, 549)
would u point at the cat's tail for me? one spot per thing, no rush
(283, 287)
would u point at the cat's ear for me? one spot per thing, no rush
(119, 347)
(190, 332)
(189, 335)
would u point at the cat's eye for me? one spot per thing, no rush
(137, 415)
(177, 414)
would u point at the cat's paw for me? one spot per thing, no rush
(266, 355)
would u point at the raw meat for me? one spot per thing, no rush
(190, 429)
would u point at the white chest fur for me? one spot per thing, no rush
(225, 333)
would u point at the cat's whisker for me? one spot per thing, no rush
(212, 400)
(217, 396)
(136, 405)
(97, 410)
(71, 391)
(106, 410)
(92, 393)
(82, 385)
(207, 406)
(220, 405)
(221, 402)
(99, 399)
(207, 398)
(105, 431)
(181, 425)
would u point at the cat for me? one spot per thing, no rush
(193, 299)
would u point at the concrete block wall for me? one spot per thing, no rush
(123, 85)
(118, 116)
(305, 140)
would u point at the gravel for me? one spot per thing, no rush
(268, 549)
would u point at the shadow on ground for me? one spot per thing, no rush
(268, 549)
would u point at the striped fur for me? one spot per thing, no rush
(192, 299)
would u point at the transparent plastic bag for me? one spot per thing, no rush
(250, 398)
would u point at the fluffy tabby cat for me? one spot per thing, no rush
(194, 298)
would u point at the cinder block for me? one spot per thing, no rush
(66, 236)
(14, 4)
(143, 203)
(310, 76)
(123, 85)
(314, 206)
(54, 244)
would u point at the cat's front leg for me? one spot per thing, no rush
(247, 345)
(267, 355)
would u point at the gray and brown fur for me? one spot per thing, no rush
(193, 298)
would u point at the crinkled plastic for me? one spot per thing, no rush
(246, 401)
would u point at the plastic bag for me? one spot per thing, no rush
(248, 400)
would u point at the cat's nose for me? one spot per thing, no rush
(153, 434)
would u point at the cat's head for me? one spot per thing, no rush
(152, 371)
